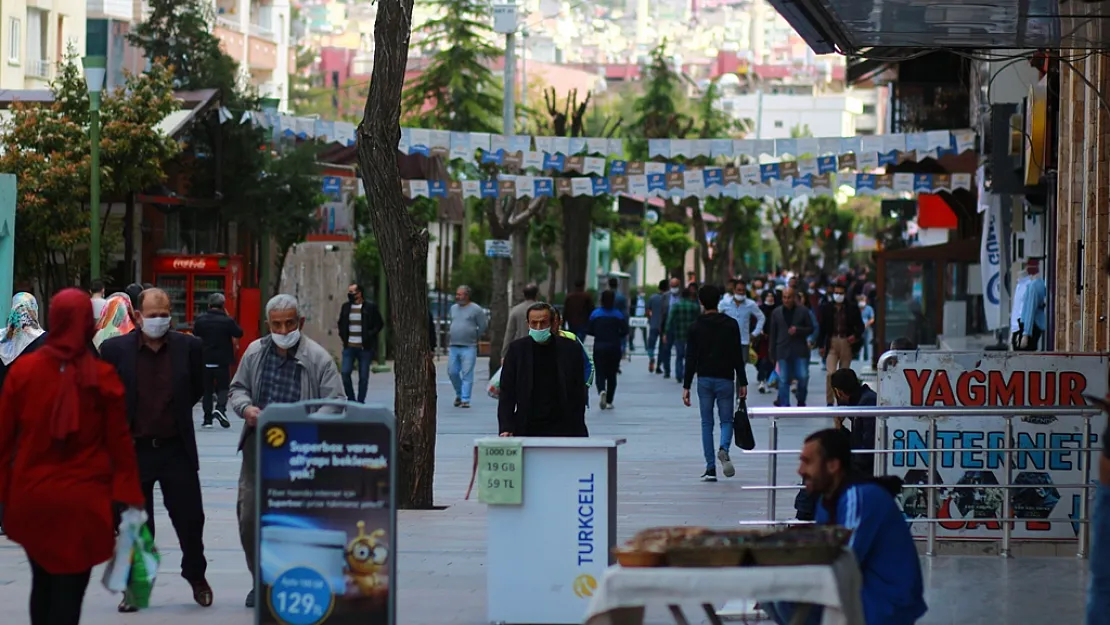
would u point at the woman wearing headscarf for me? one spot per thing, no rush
(23, 334)
(117, 318)
(66, 457)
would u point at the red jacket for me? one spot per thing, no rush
(57, 496)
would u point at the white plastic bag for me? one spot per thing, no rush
(494, 388)
(119, 567)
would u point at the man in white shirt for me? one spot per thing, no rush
(743, 308)
(96, 291)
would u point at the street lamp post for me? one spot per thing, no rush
(95, 69)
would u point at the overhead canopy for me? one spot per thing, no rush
(193, 103)
(850, 26)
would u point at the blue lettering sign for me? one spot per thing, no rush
(586, 533)
(972, 455)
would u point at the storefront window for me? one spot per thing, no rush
(192, 232)
(957, 288)
(911, 308)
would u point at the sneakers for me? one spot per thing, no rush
(458, 402)
(221, 417)
(207, 424)
(250, 599)
(726, 463)
(464, 404)
(603, 403)
(762, 388)
(710, 475)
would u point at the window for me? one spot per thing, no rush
(868, 109)
(14, 40)
(38, 23)
(778, 123)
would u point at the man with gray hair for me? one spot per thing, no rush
(468, 324)
(280, 368)
(219, 335)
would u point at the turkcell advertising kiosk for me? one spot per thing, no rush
(326, 515)
(552, 524)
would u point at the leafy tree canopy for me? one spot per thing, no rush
(457, 90)
(671, 242)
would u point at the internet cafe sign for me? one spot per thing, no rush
(966, 465)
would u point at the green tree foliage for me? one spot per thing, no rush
(457, 90)
(625, 248)
(662, 110)
(47, 147)
(289, 184)
(832, 228)
(671, 242)
(179, 31)
(475, 271)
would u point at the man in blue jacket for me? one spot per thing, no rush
(892, 589)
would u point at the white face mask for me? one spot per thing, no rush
(674, 290)
(740, 299)
(838, 298)
(863, 304)
(156, 327)
(287, 341)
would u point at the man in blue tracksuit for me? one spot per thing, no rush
(609, 327)
(892, 591)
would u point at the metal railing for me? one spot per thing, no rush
(932, 414)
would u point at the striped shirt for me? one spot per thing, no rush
(354, 336)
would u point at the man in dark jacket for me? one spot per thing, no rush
(219, 336)
(609, 327)
(840, 334)
(359, 325)
(543, 384)
(714, 353)
(790, 325)
(577, 309)
(851, 392)
(163, 378)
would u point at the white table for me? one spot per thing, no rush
(623, 594)
(543, 558)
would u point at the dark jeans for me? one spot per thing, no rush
(652, 339)
(632, 337)
(664, 362)
(170, 467)
(791, 369)
(606, 362)
(364, 356)
(216, 382)
(679, 359)
(56, 599)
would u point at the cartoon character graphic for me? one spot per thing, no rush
(367, 556)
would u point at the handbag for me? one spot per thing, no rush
(742, 427)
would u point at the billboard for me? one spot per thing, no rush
(967, 467)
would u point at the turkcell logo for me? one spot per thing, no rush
(994, 261)
(586, 536)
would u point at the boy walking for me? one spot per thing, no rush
(713, 352)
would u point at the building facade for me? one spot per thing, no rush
(34, 36)
(256, 33)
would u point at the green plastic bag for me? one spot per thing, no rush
(144, 569)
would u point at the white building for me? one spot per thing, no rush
(775, 115)
(34, 37)
(257, 33)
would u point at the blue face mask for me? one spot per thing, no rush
(540, 336)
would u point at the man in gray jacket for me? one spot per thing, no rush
(281, 368)
(517, 327)
(791, 323)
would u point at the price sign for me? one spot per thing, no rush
(501, 472)
(638, 322)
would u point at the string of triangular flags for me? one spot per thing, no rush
(870, 151)
(694, 182)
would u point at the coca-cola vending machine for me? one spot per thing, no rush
(189, 280)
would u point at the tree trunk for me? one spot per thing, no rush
(552, 271)
(129, 239)
(577, 232)
(404, 253)
(499, 311)
(519, 239)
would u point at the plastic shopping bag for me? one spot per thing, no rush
(119, 567)
(494, 388)
(144, 569)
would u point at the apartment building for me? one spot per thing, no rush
(34, 35)
(256, 33)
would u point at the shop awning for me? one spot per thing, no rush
(193, 104)
(851, 26)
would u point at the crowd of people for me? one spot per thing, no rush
(99, 410)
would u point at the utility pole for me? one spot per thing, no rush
(504, 21)
(524, 68)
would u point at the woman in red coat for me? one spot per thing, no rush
(65, 457)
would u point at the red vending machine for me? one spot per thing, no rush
(189, 280)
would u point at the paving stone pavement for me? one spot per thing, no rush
(442, 552)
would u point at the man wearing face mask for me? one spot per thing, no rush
(839, 336)
(543, 383)
(283, 367)
(359, 325)
(163, 374)
(743, 309)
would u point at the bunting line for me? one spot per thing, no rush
(700, 183)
